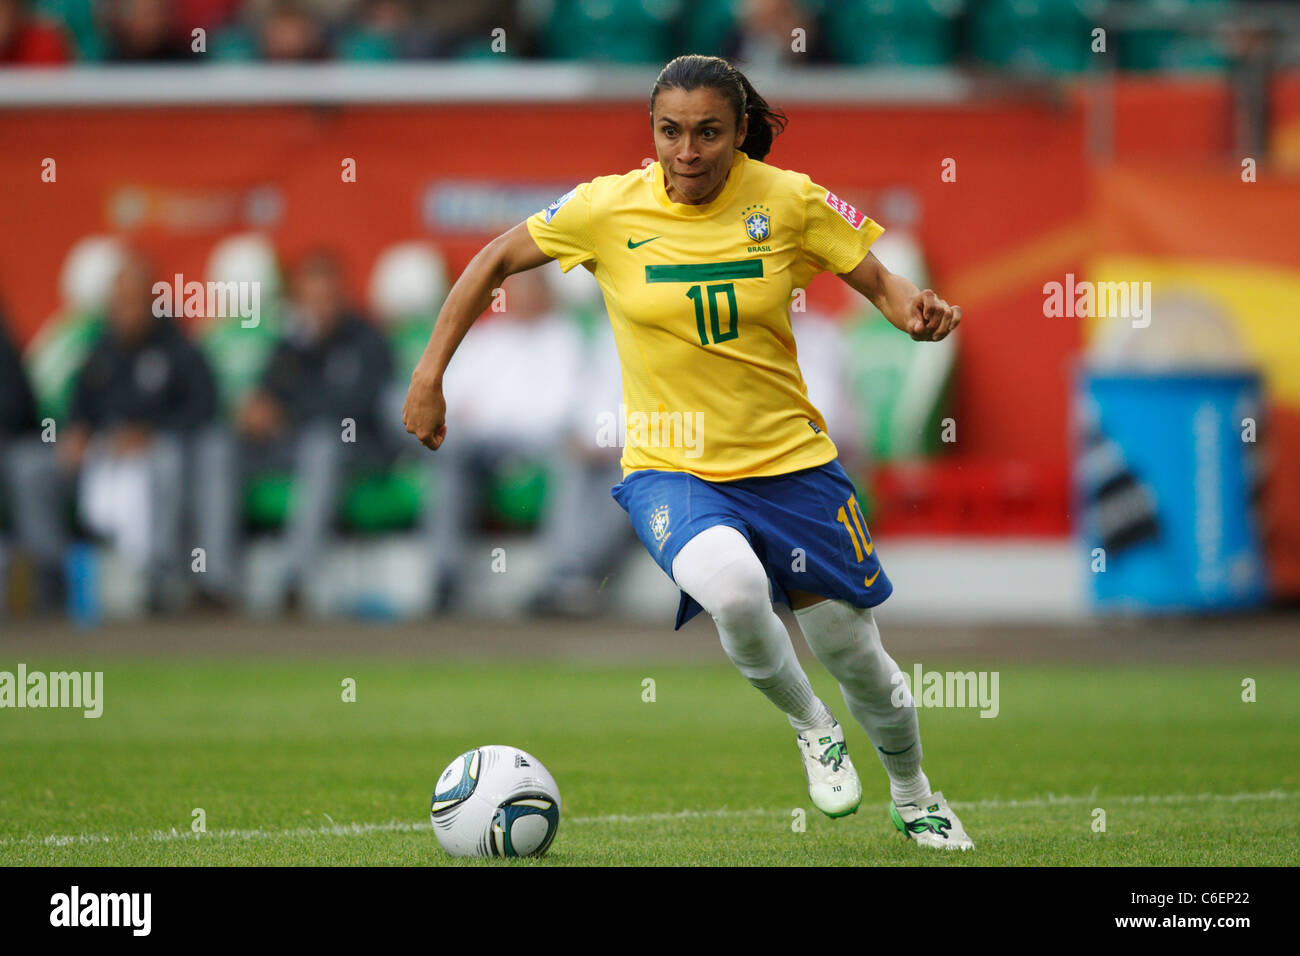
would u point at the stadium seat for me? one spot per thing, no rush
(892, 32)
(1173, 50)
(366, 45)
(619, 31)
(233, 43)
(1035, 36)
(710, 22)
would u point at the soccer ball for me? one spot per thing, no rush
(495, 801)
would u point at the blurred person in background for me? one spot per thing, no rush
(583, 534)
(289, 32)
(144, 31)
(278, 31)
(17, 425)
(142, 391)
(763, 36)
(318, 410)
(512, 391)
(388, 30)
(28, 40)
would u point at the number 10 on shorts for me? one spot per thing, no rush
(850, 511)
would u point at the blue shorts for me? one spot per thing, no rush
(806, 528)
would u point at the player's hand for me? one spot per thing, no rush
(425, 413)
(930, 319)
(260, 417)
(130, 439)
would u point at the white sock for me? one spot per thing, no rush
(719, 569)
(847, 642)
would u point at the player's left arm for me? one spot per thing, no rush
(918, 312)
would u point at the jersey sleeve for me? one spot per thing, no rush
(563, 229)
(836, 237)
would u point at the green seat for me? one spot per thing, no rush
(516, 495)
(372, 503)
(393, 500)
(1035, 36)
(618, 31)
(708, 25)
(233, 44)
(366, 45)
(916, 33)
(267, 499)
(385, 501)
(1171, 49)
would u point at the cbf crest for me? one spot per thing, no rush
(758, 222)
(659, 523)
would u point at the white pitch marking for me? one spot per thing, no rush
(400, 826)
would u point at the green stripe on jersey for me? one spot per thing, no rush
(706, 271)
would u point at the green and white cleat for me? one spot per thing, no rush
(931, 823)
(832, 782)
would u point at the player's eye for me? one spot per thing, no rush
(710, 133)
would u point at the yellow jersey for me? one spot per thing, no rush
(699, 299)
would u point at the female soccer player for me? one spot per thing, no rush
(729, 476)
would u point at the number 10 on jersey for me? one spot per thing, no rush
(706, 295)
(697, 294)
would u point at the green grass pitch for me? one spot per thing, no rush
(288, 773)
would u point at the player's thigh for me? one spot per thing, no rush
(720, 569)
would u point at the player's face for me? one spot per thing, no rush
(695, 136)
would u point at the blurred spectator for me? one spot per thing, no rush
(318, 409)
(17, 424)
(26, 40)
(510, 392)
(764, 35)
(290, 33)
(584, 531)
(17, 403)
(822, 347)
(141, 392)
(387, 30)
(147, 31)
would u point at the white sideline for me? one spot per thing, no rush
(399, 826)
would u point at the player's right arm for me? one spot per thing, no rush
(425, 411)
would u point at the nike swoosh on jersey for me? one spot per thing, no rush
(633, 245)
(871, 580)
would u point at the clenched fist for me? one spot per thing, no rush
(929, 318)
(425, 413)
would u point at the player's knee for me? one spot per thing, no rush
(743, 599)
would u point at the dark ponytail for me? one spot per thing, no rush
(693, 72)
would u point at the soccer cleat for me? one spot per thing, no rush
(931, 823)
(832, 782)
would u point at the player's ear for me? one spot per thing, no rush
(742, 131)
